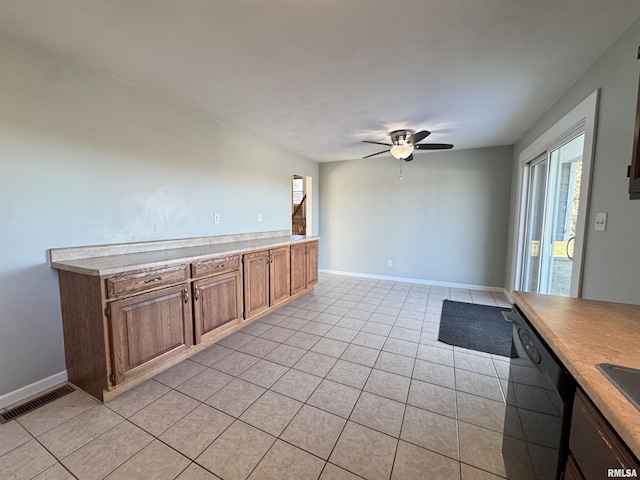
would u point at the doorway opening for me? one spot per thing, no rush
(554, 180)
(301, 204)
(553, 201)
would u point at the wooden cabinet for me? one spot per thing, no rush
(149, 328)
(304, 266)
(217, 302)
(266, 280)
(123, 328)
(572, 472)
(146, 279)
(595, 447)
(312, 264)
(214, 266)
(279, 279)
(298, 268)
(256, 283)
(634, 168)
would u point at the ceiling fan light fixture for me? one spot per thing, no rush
(401, 151)
(404, 142)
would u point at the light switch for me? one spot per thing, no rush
(601, 222)
(259, 217)
(216, 218)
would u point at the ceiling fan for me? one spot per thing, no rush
(404, 142)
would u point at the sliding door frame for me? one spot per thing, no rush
(583, 118)
(528, 197)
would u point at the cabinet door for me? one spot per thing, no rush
(595, 447)
(634, 168)
(572, 472)
(256, 283)
(217, 301)
(149, 328)
(279, 275)
(298, 268)
(312, 263)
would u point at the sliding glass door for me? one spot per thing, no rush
(535, 221)
(553, 199)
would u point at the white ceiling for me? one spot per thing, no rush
(317, 77)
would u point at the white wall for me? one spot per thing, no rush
(445, 221)
(86, 159)
(612, 263)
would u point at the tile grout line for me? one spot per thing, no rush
(347, 419)
(352, 409)
(288, 423)
(34, 438)
(380, 351)
(391, 295)
(404, 413)
(59, 460)
(458, 438)
(303, 404)
(108, 430)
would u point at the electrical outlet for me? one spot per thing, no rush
(216, 218)
(259, 217)
(389, 263)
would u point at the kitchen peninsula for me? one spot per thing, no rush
(582, 334)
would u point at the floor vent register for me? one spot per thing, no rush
(35, 403)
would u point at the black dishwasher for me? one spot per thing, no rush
(539, 402)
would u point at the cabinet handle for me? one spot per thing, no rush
(218, 266)
(149, 280)
(196, 293)
(186, 295)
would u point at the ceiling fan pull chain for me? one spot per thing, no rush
(400, 178)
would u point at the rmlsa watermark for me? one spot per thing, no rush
(622, 473)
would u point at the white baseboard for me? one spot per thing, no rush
(415, 280)
(32, 389)
(508, 295)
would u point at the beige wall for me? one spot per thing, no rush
(612, 262)
(86, 159)
(445, 221)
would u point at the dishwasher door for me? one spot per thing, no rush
(539, 400)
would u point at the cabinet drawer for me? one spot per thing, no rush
(594, 445)
(210, 266)
(140, 281)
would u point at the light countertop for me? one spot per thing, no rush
(583, 333)
(122, 262)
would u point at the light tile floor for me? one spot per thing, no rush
(346, 382)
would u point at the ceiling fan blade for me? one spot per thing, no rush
(377, 143)
(374, 154)
(433, 146)
(409, 158)
(418, 136)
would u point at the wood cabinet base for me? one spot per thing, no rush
(572, 471)
(86, 334)
(596, 449)
(124, 328)
(110, 392)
